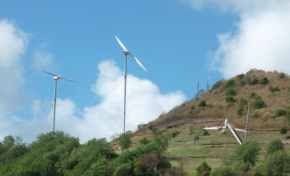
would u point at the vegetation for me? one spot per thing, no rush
(264, 81)
(231, 92)
(174, 134)
(202, 104)
(283, 130)
(203, 170)
(274, 89)
(125, 140)
(281, 75)
(230, 83)
(258, 103)
(253, 81)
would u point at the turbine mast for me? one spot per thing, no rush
(54, 106)
(125, 91)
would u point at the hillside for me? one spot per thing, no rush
(227, 96)
(58, 154)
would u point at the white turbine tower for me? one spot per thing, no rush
(56, 78)
(126, 52)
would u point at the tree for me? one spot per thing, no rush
(125, 140)
(202, 104)
(203, 169)
(247, 153)
(9, 141)
(145, 165)
(224, 171)
(283, 130)
(144, 141)
(191, 130)
(274, 146)
(264, 81)
(276, 164)
(174, 134)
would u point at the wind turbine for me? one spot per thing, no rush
(126, 52)
(56, 78)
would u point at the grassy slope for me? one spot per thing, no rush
(214, 148)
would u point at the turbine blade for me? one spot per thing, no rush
(138, 62)
(121, 44)
(68, 79)
(49, 73)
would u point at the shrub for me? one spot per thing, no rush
(275, 145)
(274, 89)
(202, 104)
(230, 83)
(230, 99)
(248, 153)
(255, 115)
(231, 92)
(281, 75)
(241, 76)
(253, 81)
(253, 95)
(280, 112)
(203, 169)
(264, 81)
(174, 134)
(125, 140)
(283, 130)
(144, 141)
(258, 103)
(240, 110)
(224, 171)
(276, 164)
(217, 85)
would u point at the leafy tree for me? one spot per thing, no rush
(125, 140)
(281, 75)
(280, 112)
(283, 130)
(258, 103)
(241, 76)
(231, 92)
(145, 165)
(202, 104)
(230, 83)
(274, 146)
(203, 170)
(144, 141)
(276, 164)
(9, 141)
(124, 169)
(191, 130)
(253, 81)
(247, 153)
(223, 171)
(264, 81)
(274, 89)
(174, 134)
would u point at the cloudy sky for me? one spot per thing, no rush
(179, 42)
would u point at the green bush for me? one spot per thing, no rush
(276, 164)
(217, 85)
(281, 75)
(230, 83)
(230, 99)
(283, 130)
(240, 110)
(231, 92)
(274, 146)
(202, 104)
(258, 103)
(274, 89)
(280, 112)
(203, 169)
(223, 171)
(253, 95)
(241, 76)
(264, 81)
(253, 81)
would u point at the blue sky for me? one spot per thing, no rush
(178, 41)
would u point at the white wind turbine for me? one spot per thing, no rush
(56, 78)
(126, 52)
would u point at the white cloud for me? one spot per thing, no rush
(261, 39)
(144, 103)
(13, 43)
(42, 60)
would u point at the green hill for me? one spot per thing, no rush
(154, 153)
